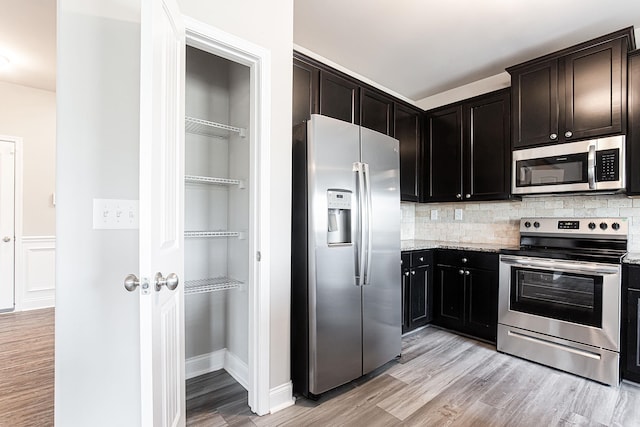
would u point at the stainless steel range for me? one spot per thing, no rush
(560, 293)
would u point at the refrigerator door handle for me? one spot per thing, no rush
(368, 224)
(359, 244)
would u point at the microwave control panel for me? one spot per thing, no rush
(607, 165)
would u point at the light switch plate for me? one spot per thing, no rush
(434, 214)
(458, 215)
(115, 214)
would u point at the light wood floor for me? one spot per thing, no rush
(26, 368)
(442, 379)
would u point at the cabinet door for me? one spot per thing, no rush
(306, 79)
(448, 301)
(445, 155)
(482, 303)
(339, 98)
(534, 106)
(633, 135)
(405, 261)
(408, 132)
(376, 111)
(419, 313)
(595, 103)
(632, 353)
(487, 147)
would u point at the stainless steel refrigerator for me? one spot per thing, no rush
(346, 279)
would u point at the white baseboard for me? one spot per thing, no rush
(36, 267)
(281, 397)
(203, 364)
(220, 359)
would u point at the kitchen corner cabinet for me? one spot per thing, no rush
(417, 289)
(577, 93)
(319, 89)
(631, 322)
(466, 292)
(633, 134)
(469, 150)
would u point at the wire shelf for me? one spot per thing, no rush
(212, 234)
(212, 129)
(214, 284)
(194, 179)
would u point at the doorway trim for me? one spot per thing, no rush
(258, 59)
(17, 218)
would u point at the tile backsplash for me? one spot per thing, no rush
(498, 222)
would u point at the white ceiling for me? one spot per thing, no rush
(28, 39)
(418, 48)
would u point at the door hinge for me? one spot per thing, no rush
(258, 256)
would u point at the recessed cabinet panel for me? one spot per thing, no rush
(535, 110)
(306, 79)
(593, 87)
(631, 322)
(408, 133)
(377, 112)
(633, 137)
(339, 98)
(445, 133)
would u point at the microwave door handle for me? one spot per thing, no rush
(591, 167)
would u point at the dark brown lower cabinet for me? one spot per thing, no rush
(631, 339)
(417, 289)
(466, 292)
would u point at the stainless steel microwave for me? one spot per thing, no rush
(576, 167)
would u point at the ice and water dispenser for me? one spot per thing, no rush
(339, 217)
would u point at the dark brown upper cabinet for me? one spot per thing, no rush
(469, 150)
(339, 97)
(408, 131)
(376, 111)
(633, 134)
(577, 93)
(320, 89)
(306, 81)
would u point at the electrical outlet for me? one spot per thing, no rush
(434, 214)
(115, 214)
(458, 215)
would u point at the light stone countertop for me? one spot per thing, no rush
(412, 245)
(632, 258)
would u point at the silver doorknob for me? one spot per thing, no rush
(553, 136)
(6, 239)
(131, 282)
(568, 134)
(171, 281)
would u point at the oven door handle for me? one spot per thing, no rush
(560, 265)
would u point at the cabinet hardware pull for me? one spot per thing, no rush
(568, 134)
(553, 136)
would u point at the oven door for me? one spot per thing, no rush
(577, 301)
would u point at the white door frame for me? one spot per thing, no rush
(17, 218)
(258, 59)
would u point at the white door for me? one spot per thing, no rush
(161, 213)
(7, 229)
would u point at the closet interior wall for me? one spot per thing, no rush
(217, 90)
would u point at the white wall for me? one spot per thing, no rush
(97, 321)
(270, 25)
(31, 114)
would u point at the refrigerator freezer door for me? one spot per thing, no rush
(335, 328)
(381, 305)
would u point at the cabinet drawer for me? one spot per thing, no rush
(472, 259)
(419, 258)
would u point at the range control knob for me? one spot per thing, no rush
(615, 226)
(603, 225)
(592, 226)
(536, 224)
(527, 224)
